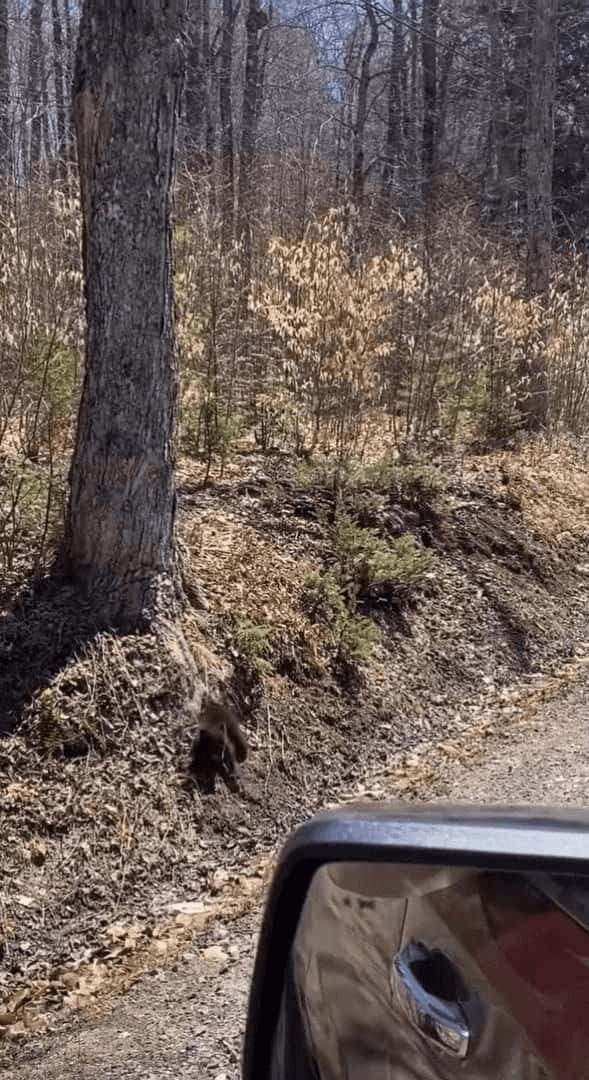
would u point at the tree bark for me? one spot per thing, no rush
(429, 59)
(413, 95)
(511, 109)
(395, 107)
(58, 74)
(44, 94)
(491, 171)
(358, 170)
(229, 16)
(68, 64)
(540, 145)
(5, 140)
(198, 89)
(128, 82)
(69, 33)
(35, 99)
(256, 24)
(539, 164)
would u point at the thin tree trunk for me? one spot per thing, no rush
(120, 526)
(442, 95)
(491, 171)
(256, 23)
(429, 59)
(540, 145)
(35, 97)
(413, 113)
(394, 127)
(69, 33)
(539, 161)
(197, 102)
(512, 112)
(58, 74)
(208, 63)
(351, 68)
(5, 139)
(45, 131)
(358, 171)
(229, 15)
(69, 60)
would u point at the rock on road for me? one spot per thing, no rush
(188, 1023)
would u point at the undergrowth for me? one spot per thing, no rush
(364, 568)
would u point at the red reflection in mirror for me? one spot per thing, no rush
(544, 979)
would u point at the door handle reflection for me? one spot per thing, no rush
(429, 992)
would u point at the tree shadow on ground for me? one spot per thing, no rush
(42, 627)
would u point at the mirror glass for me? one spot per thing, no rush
(414, 973)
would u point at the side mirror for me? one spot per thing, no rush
(415, 941)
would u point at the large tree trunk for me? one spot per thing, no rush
(120, 527)
(256, 22)
(358, 136)
(539, 160)
(5, 140)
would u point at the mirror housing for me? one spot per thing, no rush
(516, 839)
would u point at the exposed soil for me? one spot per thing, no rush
(101, 829)
(187, 1020)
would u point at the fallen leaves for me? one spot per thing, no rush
(216, 956)
(125, 949)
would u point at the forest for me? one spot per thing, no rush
(294, 405)
(381, 214)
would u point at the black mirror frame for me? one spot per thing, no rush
(487, 838)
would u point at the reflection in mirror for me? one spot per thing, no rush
(426, 973)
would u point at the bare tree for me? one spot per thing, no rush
(511, 107)
(5, 141)
(35, 84)
(540, 144)
(540, 162)
(413, 92)
(120, 526)
(70, 41)
(358, 136)
(229, 15)
(198, 88)
(58, 76)
(394, 133)
(429, 58)
(256, 23)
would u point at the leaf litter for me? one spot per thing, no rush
(111, 862)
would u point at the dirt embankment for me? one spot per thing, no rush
(186, 1018)
(102, 836)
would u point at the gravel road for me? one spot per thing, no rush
(187, 1023)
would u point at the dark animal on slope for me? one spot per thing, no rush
(219, 747)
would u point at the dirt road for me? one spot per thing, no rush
(187, 1023)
